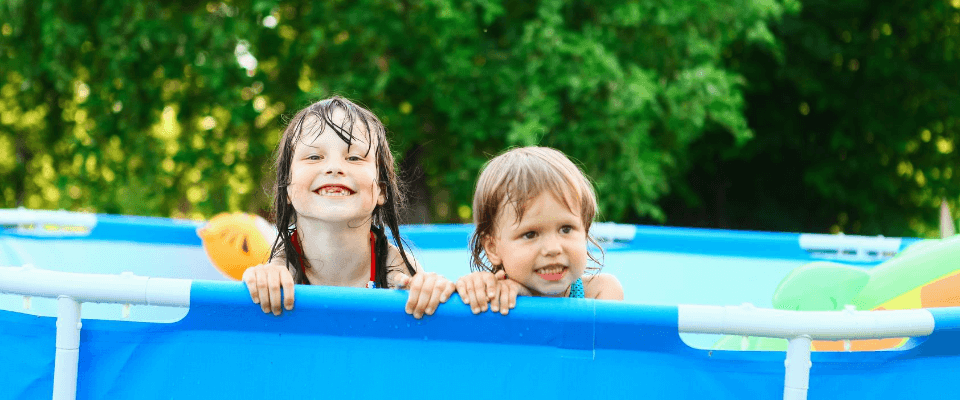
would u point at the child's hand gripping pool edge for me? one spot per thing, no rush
(427, 291)
(484, 289)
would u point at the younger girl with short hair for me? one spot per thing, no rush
(532, 209)
(336, 192)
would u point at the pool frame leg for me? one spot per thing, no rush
(68, 349)
(797, 365)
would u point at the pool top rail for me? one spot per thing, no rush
(339, 332)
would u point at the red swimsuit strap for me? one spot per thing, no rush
(373, 258)
(373, 254)
(296, 246)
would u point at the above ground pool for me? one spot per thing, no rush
(356, 343)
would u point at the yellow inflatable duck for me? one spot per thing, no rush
(237, 241)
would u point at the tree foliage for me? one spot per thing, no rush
(125, 107)
(857, 119)
(841, 115)
(145, 108)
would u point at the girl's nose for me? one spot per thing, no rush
(333, 168)
(551, 246)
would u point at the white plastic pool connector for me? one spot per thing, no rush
(612, 232)
(122, 289)
(797, 377)
(747, 320)
(41, 218)
(67, 359)
(850, 247)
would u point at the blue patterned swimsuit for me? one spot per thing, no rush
(576, 289)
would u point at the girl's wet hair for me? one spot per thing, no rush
(518, 176)
(384, 216)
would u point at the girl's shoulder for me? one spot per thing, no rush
(602, 287)
(397, 272)
(395, 260)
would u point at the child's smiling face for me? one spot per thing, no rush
(331, 181)
(546, 250)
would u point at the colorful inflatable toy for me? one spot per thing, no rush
(925, 275)
(237, 241)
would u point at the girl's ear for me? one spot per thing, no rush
(490, 247)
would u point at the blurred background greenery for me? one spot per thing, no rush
(783, 115)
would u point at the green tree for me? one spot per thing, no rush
(124, 107)
(857, 121)
(173, 108)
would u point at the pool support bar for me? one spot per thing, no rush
(72, 289)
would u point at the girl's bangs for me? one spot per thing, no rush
(316, 121)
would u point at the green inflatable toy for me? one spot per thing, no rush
(925, 275)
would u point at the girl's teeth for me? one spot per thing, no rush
(333, 192)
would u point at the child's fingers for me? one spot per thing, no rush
(500, 275)
(287, 281)
(425, 292)
(435, 296)
(495, 300)
(508, 298)
(479, 294)
(250, 279)
(490, 282)
(462, 291)
(415, 284)
(471, 299)
(503, 295)
(273, 284)
(448, 289)
(263, 292)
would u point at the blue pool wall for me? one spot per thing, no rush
(353, 343)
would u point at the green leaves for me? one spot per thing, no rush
(184, 102)
(850, 118)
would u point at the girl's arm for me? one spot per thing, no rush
(602, 287)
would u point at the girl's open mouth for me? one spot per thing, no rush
(551, 273)
(333, 190)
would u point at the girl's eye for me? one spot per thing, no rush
(566, 229)
(529, 235)
(354, 158)
(313, 157)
